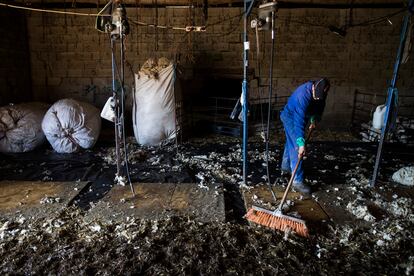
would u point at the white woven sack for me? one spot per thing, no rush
(404, 176)
(70, 125)
(153, 114)
(20, 127)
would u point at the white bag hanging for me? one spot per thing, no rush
(153, 113)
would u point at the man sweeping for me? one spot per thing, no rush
(304, 106)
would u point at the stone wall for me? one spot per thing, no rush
(69, 58)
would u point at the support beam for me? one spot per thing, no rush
(91, 4)
(392, 98)
(248, 6)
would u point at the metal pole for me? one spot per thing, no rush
(392, 92)
(269, 107)
(245, 97)
(245, 85)
(122, 119)
(122, 97)
(116, 107)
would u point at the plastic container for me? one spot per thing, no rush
(108, 111)
(379, 115)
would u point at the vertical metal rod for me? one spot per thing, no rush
(122, 134)
(392, 92)
(122, 97)
(382, 139)
(116, 107)
(269, 107)
(401, 47)
(245, 93)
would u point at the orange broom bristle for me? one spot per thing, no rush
(277, 221)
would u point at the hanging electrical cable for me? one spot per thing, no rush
(50, 11)
(368, 22)
(117, 28)
(121, 79)
(259, 88)
(266, 21)
(255, 24)
(259, 76)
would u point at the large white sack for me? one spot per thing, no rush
(404, 176)
(20, 127)
(153, 112)
(70, 125)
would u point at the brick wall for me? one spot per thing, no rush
(14, 60)
(70, 58)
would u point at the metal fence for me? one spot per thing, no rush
(364, 106)
(214, 114)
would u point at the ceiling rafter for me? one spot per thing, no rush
(327, 4)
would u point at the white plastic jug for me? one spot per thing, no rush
(108, 111)
(379, 115)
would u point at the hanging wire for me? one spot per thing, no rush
(260, 90)
(378, 20)
(259, 86)
(269, 110)
(368, 22)
(136, 22)
(240, 15)
(140, 23)
(156, 24)
(50, 11)
(120, 77)
(137, 4)
(126, 165)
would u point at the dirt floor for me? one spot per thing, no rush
(370, 230)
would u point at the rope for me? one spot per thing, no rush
(198, 29)
(50, 11)
(140, 23)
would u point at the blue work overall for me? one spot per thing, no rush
(300, 108)
(290, 153)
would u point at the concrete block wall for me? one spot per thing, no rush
(69, 58)
(15, 72)
(362, 60)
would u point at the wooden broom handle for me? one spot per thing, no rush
(289, 184)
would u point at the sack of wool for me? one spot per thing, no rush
(20, 127)
(153, 112)
(70, 125)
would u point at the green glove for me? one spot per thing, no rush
(312, 119)
(300, 141)
(315, 118)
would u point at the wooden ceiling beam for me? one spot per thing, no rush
(290, 4)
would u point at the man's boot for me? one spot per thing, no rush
(302, 188)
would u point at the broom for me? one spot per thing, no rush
(276, 219)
